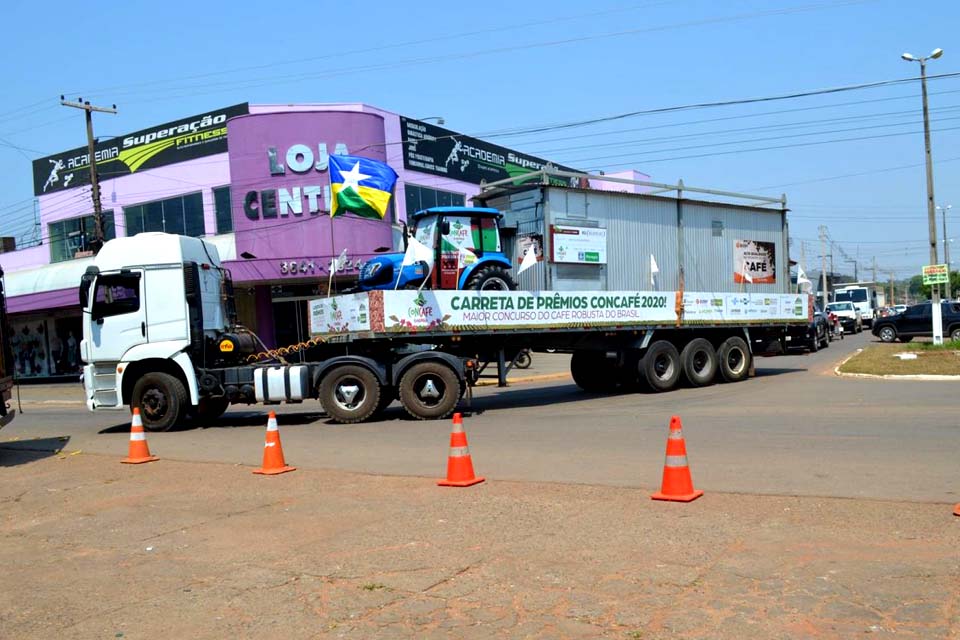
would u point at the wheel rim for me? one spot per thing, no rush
(153, 404)
(349, 393)
(429, 389)
(663, 367)
(887, 334)
(701, 360)
(494, 283)
(736, 360)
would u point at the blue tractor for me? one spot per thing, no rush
(467, 253)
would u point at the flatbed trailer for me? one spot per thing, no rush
(425, 348)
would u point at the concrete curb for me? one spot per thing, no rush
(873, 376)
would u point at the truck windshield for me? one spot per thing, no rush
(840, 306)
(852, 295)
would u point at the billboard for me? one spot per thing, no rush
(186, 139)
(442, 152)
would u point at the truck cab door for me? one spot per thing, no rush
(118, 317)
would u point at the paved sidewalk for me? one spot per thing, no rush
(95, 549)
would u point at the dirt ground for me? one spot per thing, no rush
(91, 548)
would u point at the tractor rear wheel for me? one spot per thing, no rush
(491, 278)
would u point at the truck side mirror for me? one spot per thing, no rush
(86, 284)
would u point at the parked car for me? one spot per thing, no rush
(813, 336)
(849, 316)
(917, 321)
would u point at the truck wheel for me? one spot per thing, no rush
(592, 373)
(887, 334)
(734, 355)
(955, 335)
(699, 360)
(350, 394)
(430, 390)
(209, 409)
(660, 366)
(491, 278)
(161, 398)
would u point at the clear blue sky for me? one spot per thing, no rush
(495, 65)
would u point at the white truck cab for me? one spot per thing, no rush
(148, 301)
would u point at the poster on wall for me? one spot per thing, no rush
(579, 245)
(754, 262)
(534, 240)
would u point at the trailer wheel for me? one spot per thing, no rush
(699, 360)
(430, 390)
(734, 359)
(592, 373)
(209, 409)
(661, 366)
(491, 278)
(350, 394)
(161, 398)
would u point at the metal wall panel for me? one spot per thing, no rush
(709, 258)
(637, 227)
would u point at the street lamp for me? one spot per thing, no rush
(946, 248)
(439, 119)
(931, 211)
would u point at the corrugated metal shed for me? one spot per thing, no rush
(697, 235)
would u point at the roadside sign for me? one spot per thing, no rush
(935, 274)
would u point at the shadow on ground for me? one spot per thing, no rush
(231, 420)
(19, 452)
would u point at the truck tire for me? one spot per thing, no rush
(592, 373)
(430, 390)
(491, 278)
(887, 334)
(162, 400)
(350, 393)
(955, 334)
(734, 356)
(699, 360)
(660, 366)
(209, 409)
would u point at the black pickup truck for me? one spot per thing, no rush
(917, 321)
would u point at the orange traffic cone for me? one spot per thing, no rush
(273, 462)
(139, 452)
(459, 464)
(956, 510)
(677, 484)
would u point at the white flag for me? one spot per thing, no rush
(746, 276)
(654, 270)
(416, 252)
(339, 263)
(529, 259)
(802, 280)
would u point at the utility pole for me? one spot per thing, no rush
(823, 264)
(91, 152)
(875, 269)
(931, 206)
(893, 301)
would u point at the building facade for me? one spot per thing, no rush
(251, 179)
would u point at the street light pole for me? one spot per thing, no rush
(931, 206)
(946, 249)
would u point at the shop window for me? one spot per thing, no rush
(182, 215)
(116, 295)
(221, 204)
(418, 198)
(76, 235)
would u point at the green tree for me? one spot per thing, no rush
(922, 291)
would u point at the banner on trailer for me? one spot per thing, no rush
(754, 262)
(408, 311)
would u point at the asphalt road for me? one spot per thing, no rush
(794, 429)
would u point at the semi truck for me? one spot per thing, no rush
(160, 334)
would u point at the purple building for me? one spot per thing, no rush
(253, 180)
